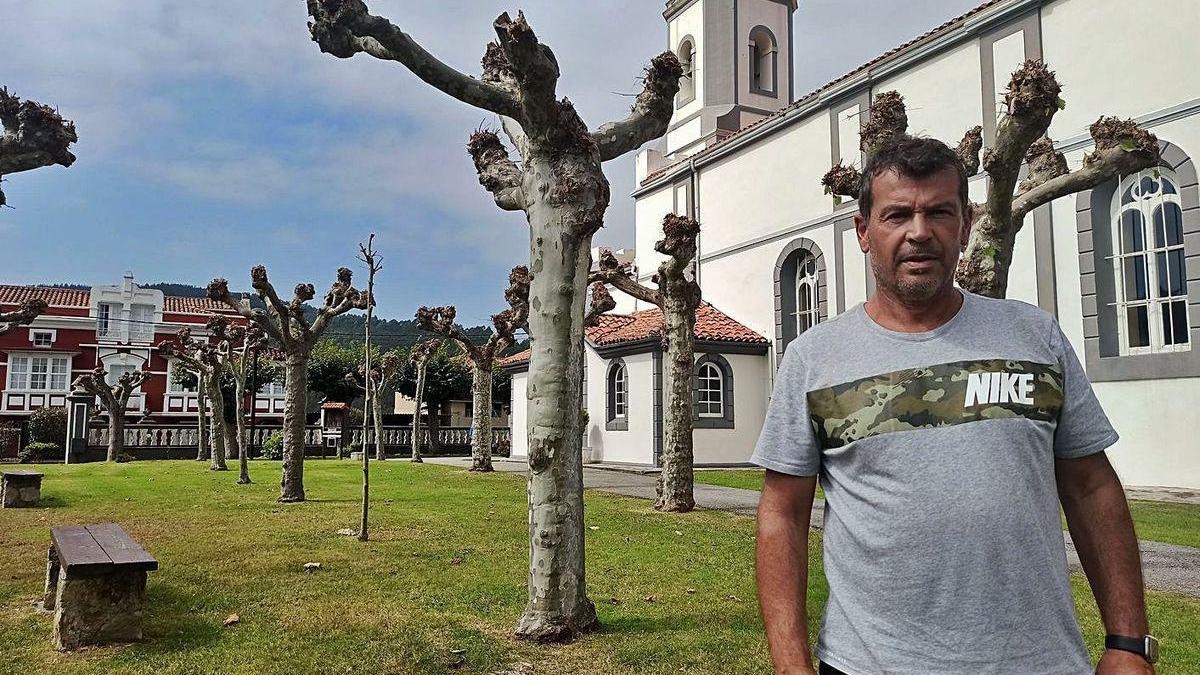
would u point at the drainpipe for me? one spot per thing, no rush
(695, 180)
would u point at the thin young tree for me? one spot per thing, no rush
(23, 316)
(482, 358)
(374, 262)
(677, 295)
(385, 372)
(1031, 101)
(289, 326)
(561, 188)
(34, 135)
(114, 399)
(419, 357)
(242, 343)
(204, 359)
(182, 373)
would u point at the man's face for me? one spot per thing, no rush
(914, 234)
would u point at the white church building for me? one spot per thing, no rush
(1118, 266)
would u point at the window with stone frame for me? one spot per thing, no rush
(763, 55)
(617, 398)
(710, 391)
(1149, 266)
(687, 83)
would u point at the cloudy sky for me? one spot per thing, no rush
(214, 135)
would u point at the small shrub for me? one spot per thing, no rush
(273, 447)
(49, 425)
(38, 452)
(124, 457)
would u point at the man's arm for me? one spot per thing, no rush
(1102, 529)
(782, 563)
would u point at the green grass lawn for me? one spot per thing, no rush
(1157, 521)
(445, 571)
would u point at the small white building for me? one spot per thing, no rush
(623, 389)
(745, 153)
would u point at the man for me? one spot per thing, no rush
(945, 428)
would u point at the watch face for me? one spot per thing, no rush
(1151, 649)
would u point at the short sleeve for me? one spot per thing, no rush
(787, 443)
(1083, 428)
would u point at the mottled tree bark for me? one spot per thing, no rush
(562, 190)
(287, 325)
(678, 296)
(33, 135)
(483, 357)
(203, 451)
(114, 399)
(434, 415)
(220, 437)
(420, 356)
(1031, 100)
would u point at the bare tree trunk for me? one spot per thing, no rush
(220, 425)
(416, 423)
(203, 451)
(116, 435)
(675, 483)
(481, 419)
(558, 606)
(435, 426)
(242, 440)
(291, 487)
(377, 413)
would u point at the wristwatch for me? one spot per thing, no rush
(1145, 646)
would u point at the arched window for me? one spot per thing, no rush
(687, 83)
(712, 393)
(617, 404)
(710, 399)
(763, 62)
(1148, 264)
(807, 314)
(800, 290)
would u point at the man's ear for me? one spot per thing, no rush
(860, 228)
(965, 234)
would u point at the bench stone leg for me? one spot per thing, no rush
(52, 572)
(20, 492)
(99, 610)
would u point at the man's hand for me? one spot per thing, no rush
(1120, 662)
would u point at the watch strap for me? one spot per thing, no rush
(1137, 645)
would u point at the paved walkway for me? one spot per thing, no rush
(1167, 567)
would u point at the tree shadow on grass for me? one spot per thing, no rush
(170, 623)
(51, 502)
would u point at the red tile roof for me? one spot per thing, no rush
(803, 100)
(55, 297)
(72, 297)
(335, 405)
(711, 325)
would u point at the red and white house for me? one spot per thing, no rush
(117, 327)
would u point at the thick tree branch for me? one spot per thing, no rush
(601, 302)
(339, 299)
(888, 120)
(440, 320)
(113, 398)
(533, 66)
(33, 136)
(611, 271)
(1121, 149)
(498, 174)
(968, 150)
(516, 317)
(843, 181)
(345, 27)
(651, 112)
(218, 290)
(1032, 99)
(29, 310)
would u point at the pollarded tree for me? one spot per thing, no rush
(114, 399)
(386, 370)
(185, 376)
(204, 359)
(1032, 99)
(23, 316)
(483, 357)
(419, 358)
(34, 135)
(561, 188)
(287, 325)
(236, 346)
(677, 295)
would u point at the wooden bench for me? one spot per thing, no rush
(96, 585)
(20, 488)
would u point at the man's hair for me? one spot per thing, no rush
(911, 157)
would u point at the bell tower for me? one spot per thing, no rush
(737, 63)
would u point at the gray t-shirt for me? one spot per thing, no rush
(943, 546)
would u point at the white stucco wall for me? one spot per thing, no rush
(519, 406)
(648, 215)
(942, 95)
(1113, 57)
(765, 189)
(636, 445)
(734, 446)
